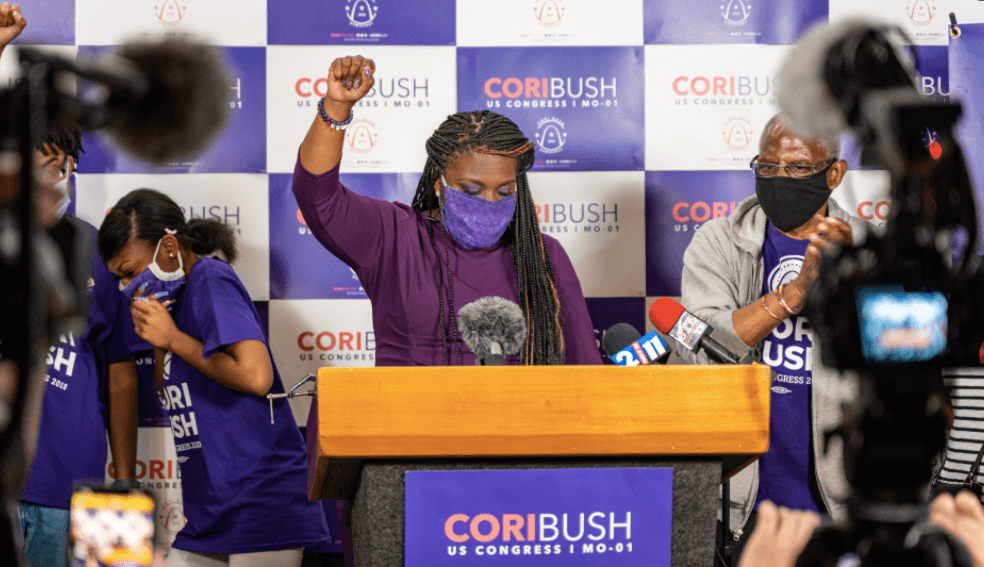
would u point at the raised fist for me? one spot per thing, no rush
(12, 23)
(349, 79)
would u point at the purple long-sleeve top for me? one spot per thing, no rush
(388, 246)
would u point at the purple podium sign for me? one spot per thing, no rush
(678, 203)
(240, 148)
(582, 106)
(551, 517)
(300, 267)
(361, 22)
(51, 22)
(730, 21)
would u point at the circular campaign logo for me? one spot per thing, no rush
(787, 271)
(920, 12)
(172, 517)
(167, 365)
(550, 135)
(549, 12)
(361, 13)
(736, 12)
(737, 133)
(170, 12)
(361, 136)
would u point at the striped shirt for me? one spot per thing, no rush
(966, 386)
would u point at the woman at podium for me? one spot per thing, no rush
(471, 232)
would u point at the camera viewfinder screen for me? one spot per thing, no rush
(899, 327)
(111, 529)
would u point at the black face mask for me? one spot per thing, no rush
(789, 202)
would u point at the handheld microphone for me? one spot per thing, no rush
(626, 347)
(167, 100)
(672, 319)
(492, 328)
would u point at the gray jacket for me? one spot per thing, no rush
(723, 271)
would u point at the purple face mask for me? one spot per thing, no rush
(155, 281)
(473, 221)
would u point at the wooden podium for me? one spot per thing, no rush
(368, 426)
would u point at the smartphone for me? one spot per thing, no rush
(111, 527)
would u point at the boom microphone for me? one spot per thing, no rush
(672, 319)
(167, 100)
(827, 73)
(626, 347)
(493, 328)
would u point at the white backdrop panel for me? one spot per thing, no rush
(549, 22)
(222, 22)
(240, 200)
(415, 91)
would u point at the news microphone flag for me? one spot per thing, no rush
(648, 349)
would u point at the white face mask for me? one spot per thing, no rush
(63, 187)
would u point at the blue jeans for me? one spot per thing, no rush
(45, 533)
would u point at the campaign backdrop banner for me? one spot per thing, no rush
(308, 334)
(51, 22)
(607, 311)
(238, 200)
(300, 267)
(220, 22)
(581, 105)
(569, 517)
(414, 92)
(731, 21)
(240, 148)
(678, 203)
(596, 216)
(549, 22)
(355, 22)
(924, 21)
(706, 106)
(967, 84)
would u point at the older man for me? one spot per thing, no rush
(748, 277)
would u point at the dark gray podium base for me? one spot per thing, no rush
(378, 509)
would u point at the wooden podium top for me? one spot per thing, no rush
(539, 411)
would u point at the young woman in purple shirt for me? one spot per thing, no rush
(243, 478)
(471, 232)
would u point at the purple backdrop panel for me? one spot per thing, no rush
(552, 517)
(607, 311)
(582, 106)
(240, 148)
(730, 21)
(677, 204)
(300, 267)
(381, 22)
(51, 22)
(967, 82)
(932, 68)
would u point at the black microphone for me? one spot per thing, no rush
(166, 101)
(672, 319)
(492, 328)
(627, 347)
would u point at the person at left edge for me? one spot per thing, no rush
(243, 479)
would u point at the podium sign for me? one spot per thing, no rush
(544, 517)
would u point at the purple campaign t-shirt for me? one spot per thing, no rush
(243, 479)
(389, 247)
(786, 471)
(74, 413)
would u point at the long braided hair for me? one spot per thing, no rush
(490, 133)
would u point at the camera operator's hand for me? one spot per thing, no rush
(962, 517)
(12, 23)
(829, 233)
(779, 536)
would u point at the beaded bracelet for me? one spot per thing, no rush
(335, 124)
(769, 311)
(782, 302)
